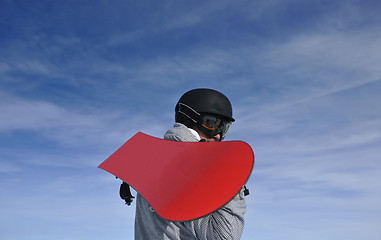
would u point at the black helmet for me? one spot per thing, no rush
(196, 102)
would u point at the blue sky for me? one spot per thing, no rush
(79, 78)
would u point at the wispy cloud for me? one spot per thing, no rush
(350, 52)
(70, 126)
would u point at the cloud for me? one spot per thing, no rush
(348, 51)
(24, 114)
(64, 203)
(71, 127)
(328, 61)
(6, 167)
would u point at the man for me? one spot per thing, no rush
(200, 115)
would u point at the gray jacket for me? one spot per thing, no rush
(224, 223)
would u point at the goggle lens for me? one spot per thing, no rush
(210, 122)
(213, 125)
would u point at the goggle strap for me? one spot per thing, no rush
(189, 112)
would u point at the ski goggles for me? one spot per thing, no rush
(212, 125)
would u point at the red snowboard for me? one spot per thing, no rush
(182, 180)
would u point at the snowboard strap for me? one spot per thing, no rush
(125, 193)
(246, 190)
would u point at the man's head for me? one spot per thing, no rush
(207, 111)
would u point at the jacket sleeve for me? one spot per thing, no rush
(225, 223)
